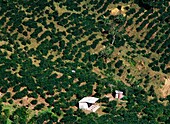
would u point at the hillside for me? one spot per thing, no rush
(54, 53)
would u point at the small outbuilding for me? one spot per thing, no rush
(119, 94)
(89, 103)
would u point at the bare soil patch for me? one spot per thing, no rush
(97, 71)
(166, 88)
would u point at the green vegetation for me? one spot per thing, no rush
(53, 53)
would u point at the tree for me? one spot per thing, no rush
(50, 100)
(20, 94)
(3, 119)
(118, 64)
(106, 53)
(68, 119)
(120, 19)
(39, 106)
(33, 95)
(34, 102)
(19, 116)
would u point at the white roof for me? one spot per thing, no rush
(89, 99)
(117, 91)
(83, 105)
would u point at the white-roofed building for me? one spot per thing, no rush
(88, 103)
(119, 94)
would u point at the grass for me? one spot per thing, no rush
(132, 62)
(9, 107)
